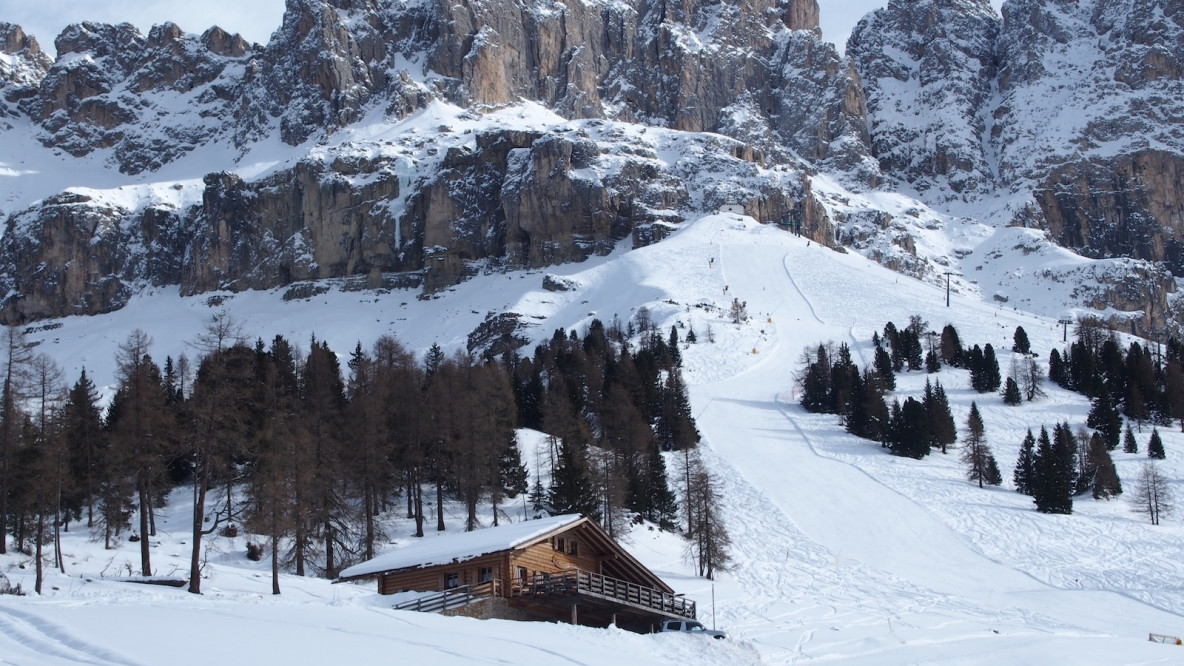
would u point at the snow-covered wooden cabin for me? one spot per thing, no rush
(563, 568)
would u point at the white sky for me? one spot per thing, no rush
(256, 19)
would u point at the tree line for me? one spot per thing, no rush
(1050, 468)
(310, 451)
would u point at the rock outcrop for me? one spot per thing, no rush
(928, 69)
(22, 68)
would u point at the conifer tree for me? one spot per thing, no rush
(1020, 344)
(82, 423)
(992, 476)
(1058, 371)
(1011, 393)
(976, 454)
(1054, 473)
(1031, 378)
(932, 362)
(15, 356)
(1106, 482)
(951, 347)
(571, 489)
(1155, 446)
(911, 432)
(869, 413)
(883, 365)
(1104, 418)
(1024, 476)
(708, 541)
(992, 379)
(974, 363)
(942, 431)
(1129, 444)
(816, 381)
(1153, 494)
(141, 429)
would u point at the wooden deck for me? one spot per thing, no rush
(453, 598)
(578, 583)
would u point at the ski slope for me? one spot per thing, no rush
(843, 554)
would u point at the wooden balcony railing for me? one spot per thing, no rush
(453, 598)
(579, 582)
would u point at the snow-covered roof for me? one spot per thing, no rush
(460, 546)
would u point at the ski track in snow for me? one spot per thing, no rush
(43, 638)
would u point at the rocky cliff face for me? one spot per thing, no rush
(1072, 109)
(929, 69)
(22, 67)
(502, 198)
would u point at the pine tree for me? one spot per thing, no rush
(992, 476)
(869, 413)
(1155, 446)
(1104, 418)
(912, 431)
(1058, 370)
(951, 347)
(883, 365)
(1106, 482)
(942, 431)
(816, 381)
(1011, 393)
(1020, 344)
(932, 362)
(1129, 444)
(974, 363)
(82, 423)
(992, 379)
(1054, 471)
(571, 489)
(1024, 476)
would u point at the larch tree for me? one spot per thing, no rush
(16, 357)
(45, 461)
(980, 463)
(223, 412)
(1152, 495)
(272, 484)
(322, 393)
(142, 430)
(708, 541)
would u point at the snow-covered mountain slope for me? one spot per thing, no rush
(844, 554)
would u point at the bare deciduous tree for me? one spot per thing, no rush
(1152, 495)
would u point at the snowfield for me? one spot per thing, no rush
(843, 553)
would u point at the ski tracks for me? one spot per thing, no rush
(50, 640)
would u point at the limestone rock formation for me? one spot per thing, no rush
(23, 68)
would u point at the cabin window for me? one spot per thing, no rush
(522, 574)
(484, 574)
(560, 544)
(573, 547)
(451, 580)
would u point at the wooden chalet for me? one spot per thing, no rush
(564, 568)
